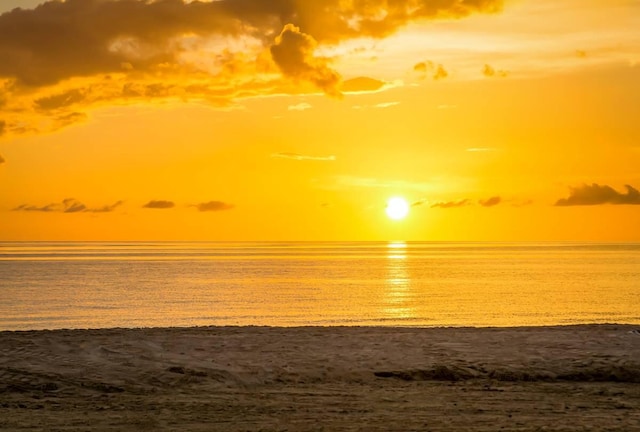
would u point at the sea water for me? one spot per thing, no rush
(128, 284)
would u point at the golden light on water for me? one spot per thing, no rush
(398, 283)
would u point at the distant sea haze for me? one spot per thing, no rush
(101, 285)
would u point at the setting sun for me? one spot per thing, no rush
(397, 208)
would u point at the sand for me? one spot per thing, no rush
(574, 378)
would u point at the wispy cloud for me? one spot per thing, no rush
(299, 107)
(596, 194)
(69, 205)
(371, 182)
(482, 149)
(159, 204)
(386, 104)
(452, 204)
(302, 157)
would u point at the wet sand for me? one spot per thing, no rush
(574, 378)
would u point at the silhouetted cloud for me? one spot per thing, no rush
(301, 157)
(213, 206)
(490, 72)
(68, 205)
(159, 204)
(293, 52)
(493, 201)
(452, 204)
(596, 194)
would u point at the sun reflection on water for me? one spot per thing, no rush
(398, 295)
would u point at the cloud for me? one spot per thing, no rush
(596, 194)
(65, 57)
(440, 73)
(493, 201)
(68, 205)
(581, 54)
(482, 149)
(489, 72)
(159, 204)
(418, 203)
(452, 204)
(2, 159)
(3, 127)
(299, 107)
(301, 157)
(386, 104)
(362, 84)
(437, 71)
(213, 206)
(293, 52)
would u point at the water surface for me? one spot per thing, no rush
(95, 285)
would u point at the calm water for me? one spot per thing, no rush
(80, 285)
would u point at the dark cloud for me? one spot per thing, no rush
(490, 72)
(452, 204)
(493, 201)
(2, 160)
(301, 157)
(62, 57)
(3, 127)
(69, 205)
(596, 194)
(213, 206)
(59, 40)
(159, 204)
(293, 52)
(60, 100)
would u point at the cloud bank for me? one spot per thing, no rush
(596, 194)
(64, 57)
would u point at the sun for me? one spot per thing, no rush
(397, 208)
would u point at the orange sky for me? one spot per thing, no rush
(299, 119)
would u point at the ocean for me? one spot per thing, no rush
(52, 285)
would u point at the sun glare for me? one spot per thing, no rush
(397, 208)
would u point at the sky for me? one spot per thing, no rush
(287, 120)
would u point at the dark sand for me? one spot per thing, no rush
(576, 378)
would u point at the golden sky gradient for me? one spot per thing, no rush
(299, 119)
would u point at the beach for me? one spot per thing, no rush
(562, 378)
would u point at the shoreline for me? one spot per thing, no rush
(570, 377)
